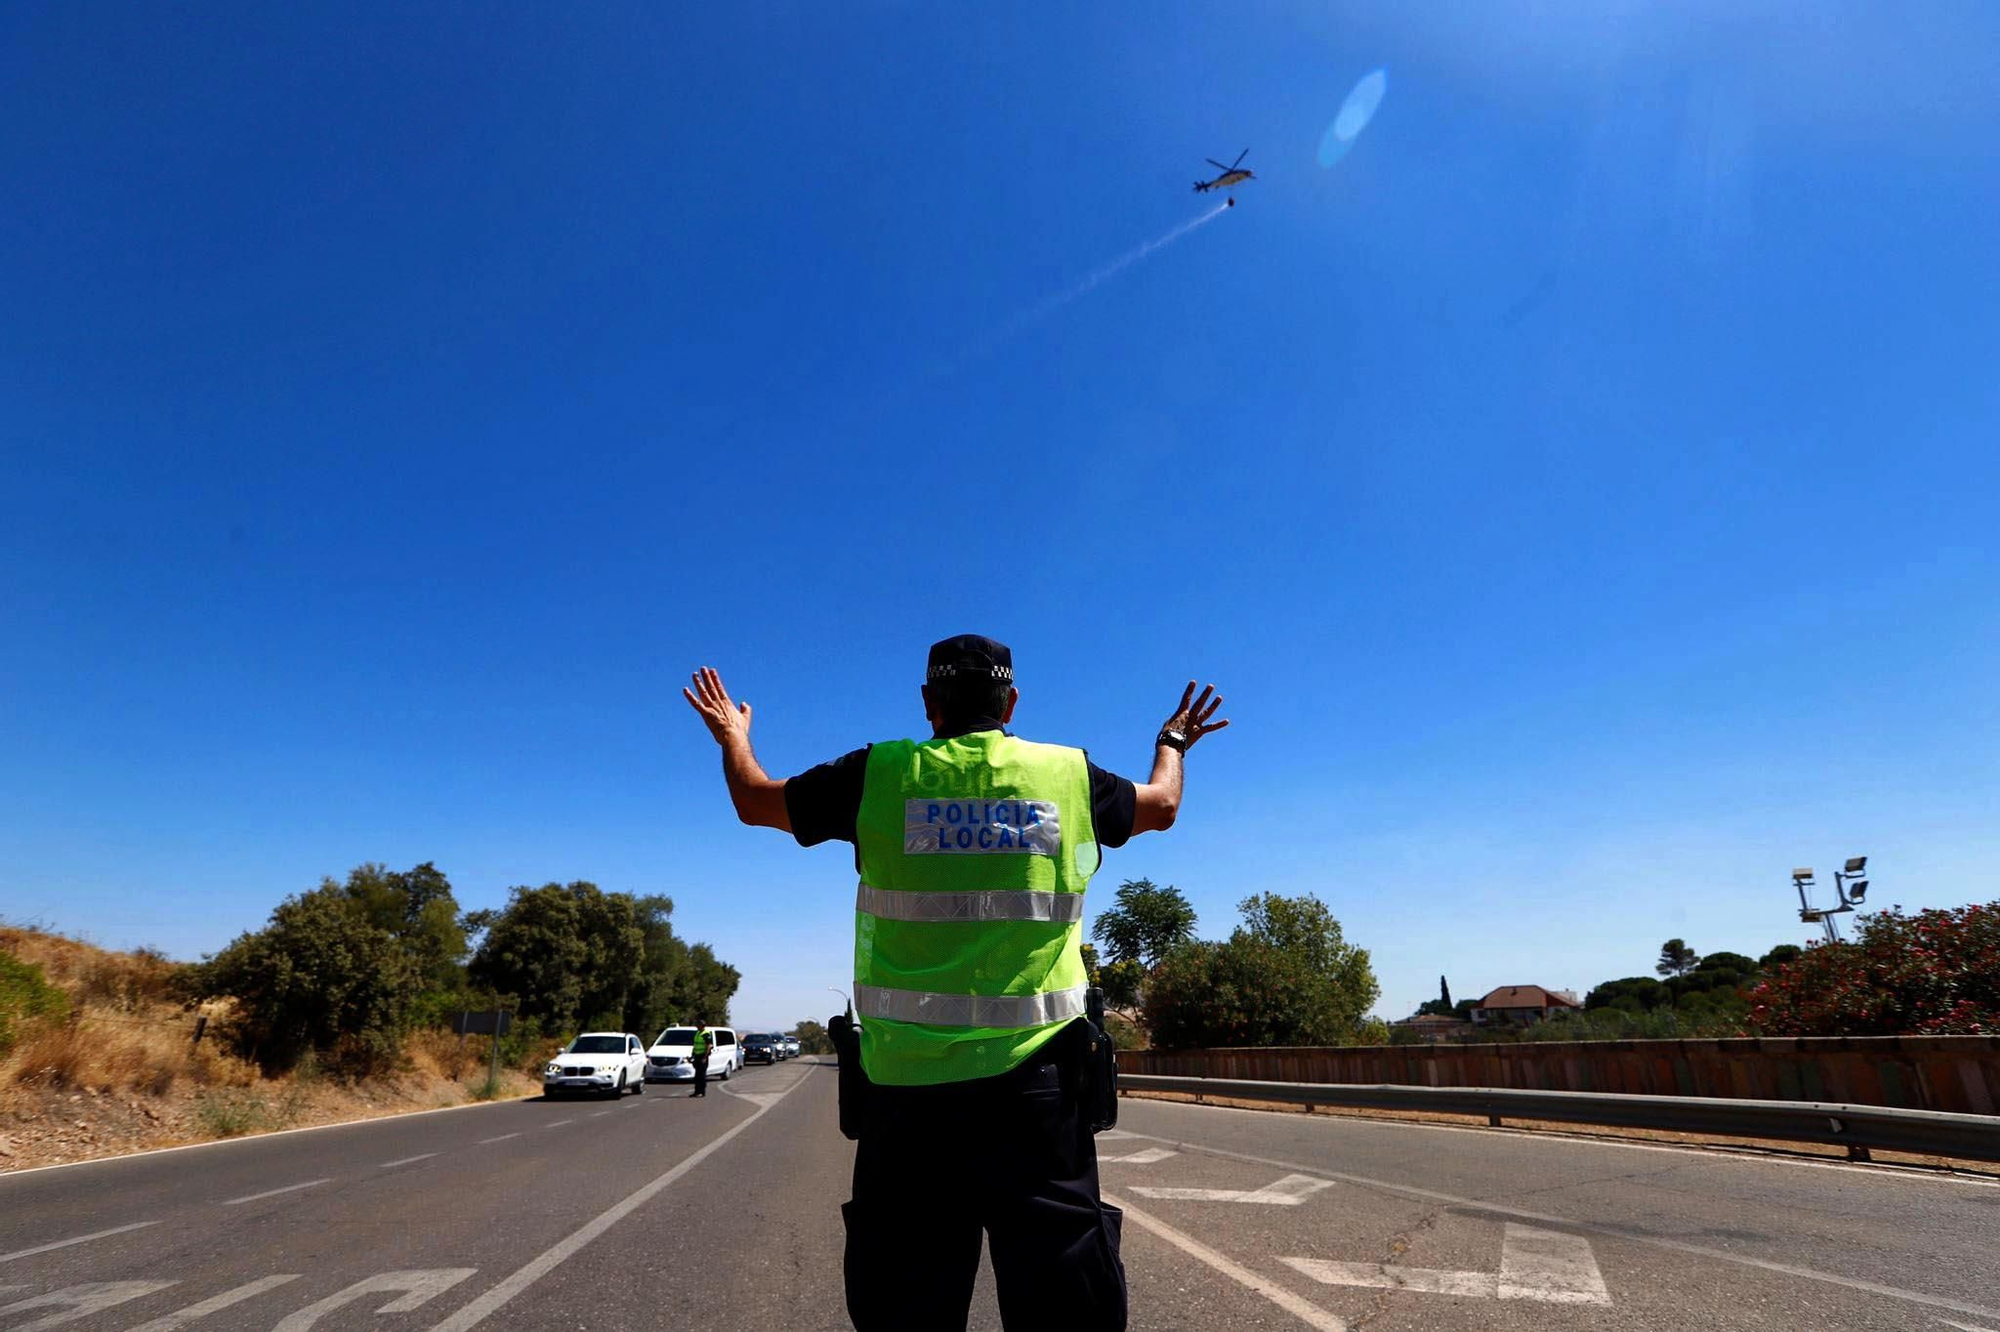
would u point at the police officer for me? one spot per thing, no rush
(974, 849)
(698, 1056)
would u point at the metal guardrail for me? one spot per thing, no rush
(1855, 1127)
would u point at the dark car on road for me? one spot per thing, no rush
(761, 1048)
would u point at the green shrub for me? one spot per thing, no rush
(25, 997)
(226, 1114)
(321, 976)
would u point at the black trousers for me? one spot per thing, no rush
(700, 1075)
(1011, 1156)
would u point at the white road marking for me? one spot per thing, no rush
(417, 1287)
(1534, 1265)
(755, 1098)
(1593, 1228)
(1147, 1157)
(182, 1317)
(558, 1123)
(1549, 1266)
(600, 1114)
(1553, 1138)
(79, 1239)
(500, 1138)
(1383, 1276)
(405, 1160)
(1304, 1310)
(480, 1309)
(82, 1301)
(1289, 1191)
(259, 1137)
(1190, 1195)
(272, 1193)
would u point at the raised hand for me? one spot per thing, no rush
(1191, 718)
(725, 719)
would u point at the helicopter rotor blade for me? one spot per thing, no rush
(1239, 159)
(1217, 165)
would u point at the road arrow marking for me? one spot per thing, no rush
(182, 1317)
(1148, 1157)
(81, 1301)
(1302, 1309)
(1289, 1191)
(1535, 1264)
(416, 1289)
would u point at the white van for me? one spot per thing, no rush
(667, 1060)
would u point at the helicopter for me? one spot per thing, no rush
(1234, 174)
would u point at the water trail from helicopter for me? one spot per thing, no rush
(1103, 273)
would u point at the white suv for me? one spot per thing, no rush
(600, 1062)
(668, 1060)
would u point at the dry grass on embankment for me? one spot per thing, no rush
(121, 1071)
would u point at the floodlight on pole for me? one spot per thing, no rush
(1848, 883)
(1849, 890)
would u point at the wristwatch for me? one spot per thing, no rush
(1172, 739)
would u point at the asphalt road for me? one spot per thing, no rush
(657, 1210)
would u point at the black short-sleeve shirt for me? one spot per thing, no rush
(825, 801)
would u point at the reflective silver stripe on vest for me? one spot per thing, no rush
(1001, 904)
(968, 1010)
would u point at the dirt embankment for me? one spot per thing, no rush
(118, 1068)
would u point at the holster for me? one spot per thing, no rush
(1100, 1067)
(854, 1084)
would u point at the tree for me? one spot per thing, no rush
(812, 1038)
(1121, 983)
(1119, 980)
(1779, 956)
(534, 952)
(1287, 976)
(706, 988)
(417, 908)
(662, 966)
(1440, 1006)
(574, 955)
(1147, 923)
(321, 976)
(1676, 958)
(1633, 994)
(1933, 973)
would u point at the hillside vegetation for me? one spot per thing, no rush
(339, 1007)
(98, 1058)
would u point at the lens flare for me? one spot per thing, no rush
(1355, 113)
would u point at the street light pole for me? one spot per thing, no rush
(850, 1003)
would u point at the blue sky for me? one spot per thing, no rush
(1582, 491)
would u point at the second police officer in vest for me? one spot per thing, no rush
(974, 849)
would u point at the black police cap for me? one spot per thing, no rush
(970, 657)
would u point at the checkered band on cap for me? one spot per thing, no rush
(969, 670)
